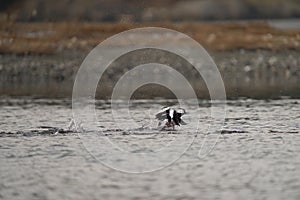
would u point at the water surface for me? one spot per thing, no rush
(257, 156)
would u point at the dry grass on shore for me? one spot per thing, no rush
(48, 38)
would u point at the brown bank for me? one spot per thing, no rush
(255, 60)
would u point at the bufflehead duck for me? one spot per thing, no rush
(170, 117)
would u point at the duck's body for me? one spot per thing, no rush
(170, 117)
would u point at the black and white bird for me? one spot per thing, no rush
(170, 117)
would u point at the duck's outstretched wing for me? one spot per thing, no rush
(179, 113)
(163, 114)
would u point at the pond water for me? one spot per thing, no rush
(256, 156)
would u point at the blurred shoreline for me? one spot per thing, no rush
(51, 38)
(255, 59)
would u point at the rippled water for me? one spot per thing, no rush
(257, 156)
